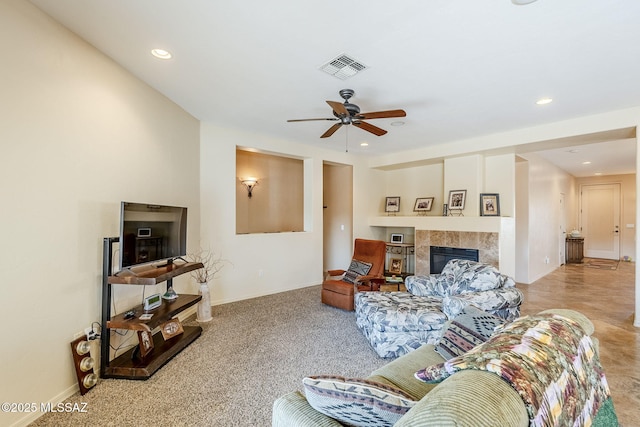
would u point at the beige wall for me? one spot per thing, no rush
(79, 135)
(277, 202)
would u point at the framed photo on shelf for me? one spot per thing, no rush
(171, 328)
(392, 204)
(423, 204)
(457, 199)
(395, 266)
(489, 204)
(397, 238)
(145, 340)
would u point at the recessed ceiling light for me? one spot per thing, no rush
(586, 163)
(397, 123)
(161, 54)
(598, 173)
(522, 2)
(364, 144)
(543, 101)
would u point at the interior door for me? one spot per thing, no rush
(600, 209)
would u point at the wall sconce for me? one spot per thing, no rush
(84, 364)
(249, 183)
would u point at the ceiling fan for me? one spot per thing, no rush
(349, 114)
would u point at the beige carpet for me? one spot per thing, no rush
(603, 264)
(251, 352)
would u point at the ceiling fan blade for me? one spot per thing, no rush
(338, 108)
(331, 130)
(382, 114)
(370, 128)
(311, 120)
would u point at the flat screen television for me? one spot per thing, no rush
(151, 234)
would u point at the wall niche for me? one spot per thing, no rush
(277, 201)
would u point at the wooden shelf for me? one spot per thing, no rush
(131, 366)
(152, 275)
(166, 311)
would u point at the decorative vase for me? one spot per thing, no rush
(204, 306)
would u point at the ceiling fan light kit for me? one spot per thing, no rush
(347, 113)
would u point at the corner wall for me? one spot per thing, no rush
(545, 183)
(267, 263)
(79, 134)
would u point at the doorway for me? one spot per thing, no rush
(600, 220)
(337, 217)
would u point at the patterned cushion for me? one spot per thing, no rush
(357, 402)
(433, 285)
(466, 331)
(504, 302)
(357, 268)
(471, 276)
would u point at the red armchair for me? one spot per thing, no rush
(365, 273)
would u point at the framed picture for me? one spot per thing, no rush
(423, 204)
(392, 204)
(171, 328)
(457, 199)
(397, 238)
(395, 266)
(489, 204)
(145, 339)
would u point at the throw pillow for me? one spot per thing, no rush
(471, 328)
(357, 268)
(356, 402)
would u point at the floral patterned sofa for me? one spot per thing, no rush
(396, 323)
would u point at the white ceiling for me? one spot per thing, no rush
(460, 68)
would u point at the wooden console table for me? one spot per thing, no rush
(406, 251)
(574, 250)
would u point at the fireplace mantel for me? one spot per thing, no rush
(487, 224)
(467, 228)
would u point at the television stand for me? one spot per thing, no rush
(153, 350)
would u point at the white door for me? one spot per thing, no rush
(600, 209)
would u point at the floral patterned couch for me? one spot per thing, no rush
(396, 323)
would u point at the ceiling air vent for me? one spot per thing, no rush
(343, 67)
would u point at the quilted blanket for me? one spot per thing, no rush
(549, 361)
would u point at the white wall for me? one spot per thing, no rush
(545, 184)
(500, 177)
(465, 173)
(522, 221)
(412, 183)
(79, 134)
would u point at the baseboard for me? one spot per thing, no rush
(262, 294)
(60, 397)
